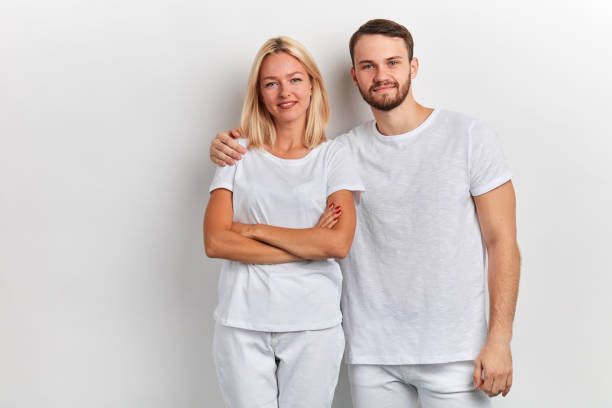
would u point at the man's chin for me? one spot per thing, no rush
(384, 104)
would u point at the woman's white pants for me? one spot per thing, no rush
(278, 370)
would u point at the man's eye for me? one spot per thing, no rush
(367, 66)
(392, 62)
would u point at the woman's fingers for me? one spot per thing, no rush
(330, 216)
(325, 217)
(332, 223)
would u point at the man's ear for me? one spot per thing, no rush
(414, 67)
(354, 77)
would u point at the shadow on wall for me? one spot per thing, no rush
(227, 105)
(347, 107)
(193, 278)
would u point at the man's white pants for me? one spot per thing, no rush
(269, 370)
(447, 385)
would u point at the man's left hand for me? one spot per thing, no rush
(495, 359)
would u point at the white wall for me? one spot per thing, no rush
(106, 113)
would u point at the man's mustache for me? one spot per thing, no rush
(383, 83)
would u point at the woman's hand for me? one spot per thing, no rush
(330, 216)
(328, 219)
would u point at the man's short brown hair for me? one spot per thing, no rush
(384, 27)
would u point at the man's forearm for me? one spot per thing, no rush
(504, 273)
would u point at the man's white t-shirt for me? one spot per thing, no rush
(289, 193)
(414, 280)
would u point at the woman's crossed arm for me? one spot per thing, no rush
(311, 243)
(221, 242)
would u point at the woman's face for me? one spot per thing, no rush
(285, 87)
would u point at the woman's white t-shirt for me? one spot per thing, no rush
(289, 193)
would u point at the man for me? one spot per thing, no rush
(438, 191)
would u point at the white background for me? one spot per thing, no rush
(106, 113)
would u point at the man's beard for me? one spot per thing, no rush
(388, 102)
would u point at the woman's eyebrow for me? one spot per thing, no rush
(288, 75)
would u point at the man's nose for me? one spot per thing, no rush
(381, 74)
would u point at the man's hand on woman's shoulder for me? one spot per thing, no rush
(224, 149)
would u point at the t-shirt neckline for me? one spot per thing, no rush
(299, 160)
(407, 135)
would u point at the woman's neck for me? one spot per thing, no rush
(289, 139)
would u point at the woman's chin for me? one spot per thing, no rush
(288, 117)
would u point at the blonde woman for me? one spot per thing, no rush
(279, 217)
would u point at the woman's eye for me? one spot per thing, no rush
(269, 84)
(296, 80)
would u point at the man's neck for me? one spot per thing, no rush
(402, 119)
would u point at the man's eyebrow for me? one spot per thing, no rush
(288, 75)
(395, 57)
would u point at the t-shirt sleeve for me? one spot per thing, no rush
(488, 168)
(224, 178)
(342, 173)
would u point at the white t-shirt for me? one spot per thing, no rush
(289, 193)
(414, 280)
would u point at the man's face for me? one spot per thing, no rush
(382, 71)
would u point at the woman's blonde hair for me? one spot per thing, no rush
(256, 122)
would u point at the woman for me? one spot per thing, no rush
(275, 217)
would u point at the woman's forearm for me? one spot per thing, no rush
(235, 247)
(308, 243)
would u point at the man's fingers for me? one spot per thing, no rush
(508, 385)
(496, 385)
(234, 145)
(228, 139)
(236, 133)
(216, 151)
(219, 146)
(224, 153)
(477, 374)
(224, 158)
(487, 383)
(218, 162)
(222, 136)
(502, 384)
